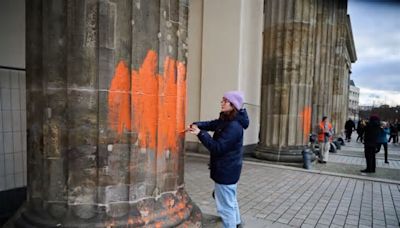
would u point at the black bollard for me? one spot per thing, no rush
(307, 156)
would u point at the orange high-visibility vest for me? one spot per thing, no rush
(321, 133)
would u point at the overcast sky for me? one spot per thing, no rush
(376, 31)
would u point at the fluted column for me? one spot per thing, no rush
(341, 70)
(329, 81)
(287, 79)
(324, 51)
(106, 89)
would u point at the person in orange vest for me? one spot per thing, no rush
(324, 138)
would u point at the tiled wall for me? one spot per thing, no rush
(12, 129)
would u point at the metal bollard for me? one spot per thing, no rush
(332, 148)
(307, 156)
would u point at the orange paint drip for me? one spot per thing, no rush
(118, 100)
(306, 113)
(167, 110)
(145, 101)
(181, 105)
(158, 102)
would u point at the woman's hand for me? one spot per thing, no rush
(193, 129)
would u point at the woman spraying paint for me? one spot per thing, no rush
(226, 153)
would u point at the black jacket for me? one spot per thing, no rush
(371, 135)
(349, 125)
(226, 147)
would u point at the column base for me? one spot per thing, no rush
(283, 154)
(168, 210)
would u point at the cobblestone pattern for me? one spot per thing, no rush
(301, 199)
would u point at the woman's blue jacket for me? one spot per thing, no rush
(226, 146)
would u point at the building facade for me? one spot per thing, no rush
(354, 101)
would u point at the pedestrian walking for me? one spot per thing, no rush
(349, 127)
(371, 134)
(383, 140)
(226, 153)
(360, 130)
(394, 132)
(398, 130)
(324, 138)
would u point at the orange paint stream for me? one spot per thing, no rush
(118, 99)
(157, 102)
(167, 109)
(181, 105)
(306, 113)
(145, 101)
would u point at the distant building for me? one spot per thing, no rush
(354, 100)
(366, 107)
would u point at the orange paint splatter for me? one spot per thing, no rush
(118, 100)
(306, 113)
(158, 103)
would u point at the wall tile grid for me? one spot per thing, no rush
(12, 129)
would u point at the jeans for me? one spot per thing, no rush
(227, 205)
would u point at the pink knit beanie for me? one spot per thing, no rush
(236, 98)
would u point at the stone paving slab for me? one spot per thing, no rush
(290, 198)
(213, 221)
(350, 160)
(357, 149)
(380, 163)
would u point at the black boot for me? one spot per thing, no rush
(366, 171)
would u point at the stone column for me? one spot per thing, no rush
(106, 89)
(324, 52)
(329, 79)
(288, 68)
(341, 71)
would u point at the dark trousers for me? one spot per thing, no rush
(369, 152)
(360, 137)
(348, 134)
(394, 137)
(385, 147)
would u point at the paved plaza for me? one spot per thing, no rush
(353, 153)
(279, 196)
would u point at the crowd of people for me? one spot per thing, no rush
(373, 133)
(392, 127)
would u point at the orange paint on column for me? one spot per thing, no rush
(306, 113)
(167, 122)
(181, 106)
(158, 102)
(145, 101)
(119, 115)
